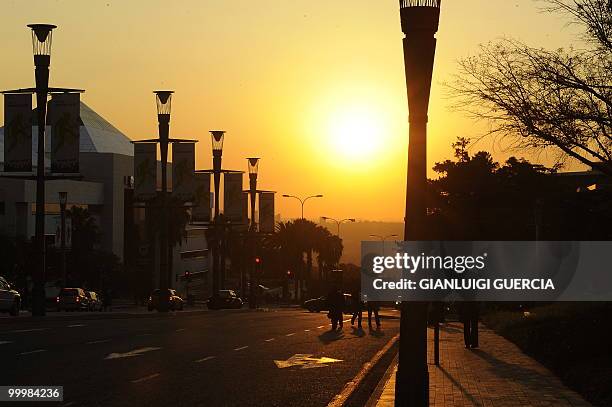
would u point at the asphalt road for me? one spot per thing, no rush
(223, 358)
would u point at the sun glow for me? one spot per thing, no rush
(356, 133)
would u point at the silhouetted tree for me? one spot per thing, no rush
(541, 98)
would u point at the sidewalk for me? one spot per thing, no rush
(496, 375)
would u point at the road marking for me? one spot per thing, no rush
(27, 330)
(144, 379)
(204, 359)
(321, 327)
(306, 330)
(5, 342)
(95, 342)
(241, 348)
(269, 340)
(305, 361)
(32, 351)
(181, 330)
(346, 320)
(76, 325)
(144, 335)
(70, 403)
(135, 352)
(291, 334)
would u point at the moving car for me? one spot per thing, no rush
(70, 299)
(226, 299)
(320, 304)
(93, 301)
(175, 301)
(10, 300)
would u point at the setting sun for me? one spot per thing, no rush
(356, 133)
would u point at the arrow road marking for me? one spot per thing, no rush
(135, 352)
(305, 361)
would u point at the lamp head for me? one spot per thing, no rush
(420, 15)
(253, 164)
(217, 137)
(63, 197)
(163, 99)
(42, 36)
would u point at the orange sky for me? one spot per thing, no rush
(314, 87)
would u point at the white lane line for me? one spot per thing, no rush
(5, 342)
(241, 348)
(132, 353)
(95, 342)
(27, 330)
(321, 327)
(180, 330)
(291, 334)
(204, 359)
(32, 351)
(70, 403)
(306, 330)
(76, 325)
(346, 320)
(269, 340)
(144, 379)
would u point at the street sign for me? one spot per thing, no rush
(305, 361)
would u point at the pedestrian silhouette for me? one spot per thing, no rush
(357, 308)
(468, 312)
(335, 302)
(373, 308)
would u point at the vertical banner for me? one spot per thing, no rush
(18, 132)
(201, 211)
(145, 170)
(245, 208)
(266, 212)
(65, 121)
(232, 196)
(183, 171)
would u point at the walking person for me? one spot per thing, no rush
(335, 302)
(357, 308)
(373, 308)
(468, 311)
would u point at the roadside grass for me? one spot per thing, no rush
(574, 340)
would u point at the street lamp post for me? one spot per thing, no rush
(253, 166)
(63, 198)
(419, 21)
(302, 201)
(338, 222)
(383, 239)
(217, 138)
(164, 107)
(42, 35)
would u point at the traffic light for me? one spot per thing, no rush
(257, 260)
(187, 276)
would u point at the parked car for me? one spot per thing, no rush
(10, 300)
(70, 299)
(320, 304)
(226, 299)
(93, 301)
(175, 301)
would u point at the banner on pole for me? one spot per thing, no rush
(145, 170)
(183, 171)
(232, 197)
(245, 208)
(65, 121)
(266, 212)
(201, 212)
(18, 132)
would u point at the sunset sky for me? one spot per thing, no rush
(314, 87)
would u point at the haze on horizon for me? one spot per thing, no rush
(315, 88)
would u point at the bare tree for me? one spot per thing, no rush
(541, 98)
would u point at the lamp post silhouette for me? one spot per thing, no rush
(253, 166)
(217, 137)
(302, 201)
(383, 239)
(419, 20)
(63, 199)
(338, 222)
(42, 36)
(163, 100)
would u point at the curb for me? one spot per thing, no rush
(380, 387)
(350, 388)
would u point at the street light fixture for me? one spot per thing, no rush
(163, 99)
(302, 201)
(217, 137)
(253, 167)
(338, 222)
(63, 199)
(42, 36)
(383, 239)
